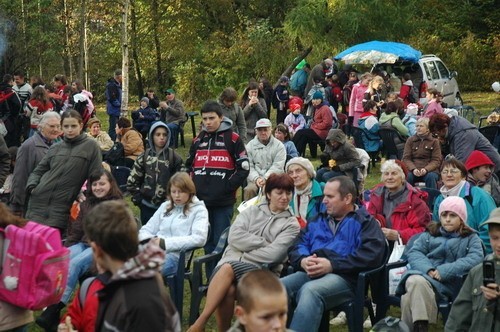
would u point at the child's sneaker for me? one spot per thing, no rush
(341, 319)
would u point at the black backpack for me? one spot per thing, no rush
(116, 155)
(412, 95)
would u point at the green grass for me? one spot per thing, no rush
(483, 103)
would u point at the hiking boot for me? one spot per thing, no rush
(421, 326)
(49, 319)
(340, 319)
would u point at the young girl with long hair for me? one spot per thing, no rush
(180, 223)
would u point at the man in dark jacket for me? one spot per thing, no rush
(329, 255)
(10, 108)
(219, 165)
(114, 101)
(173, 114)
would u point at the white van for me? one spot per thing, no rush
(429, 72)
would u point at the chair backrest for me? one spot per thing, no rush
(121, 174)
(432, 195)
(390, 137)
(357, 134)
(490, 132)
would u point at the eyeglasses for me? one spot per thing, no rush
(452, 171)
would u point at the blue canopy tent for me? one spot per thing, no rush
(376, 52)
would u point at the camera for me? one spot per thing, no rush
(488, 273)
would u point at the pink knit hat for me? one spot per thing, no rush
(454, 204)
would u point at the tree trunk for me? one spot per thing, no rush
(68, 70)
(125, 59)
(135, 56)
(295, 62)
(156, 38)
(81, 46)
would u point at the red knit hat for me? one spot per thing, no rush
(477, 159)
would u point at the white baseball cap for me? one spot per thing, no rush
(263, 123)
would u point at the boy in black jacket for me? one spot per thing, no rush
(219, 165)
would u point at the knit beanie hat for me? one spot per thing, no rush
(412, 109)
(318, 95)
(304, 163)
(477, 159)
(146, 99)
(454, 204)
(294, 107)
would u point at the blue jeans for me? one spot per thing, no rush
(112, 124)
(430, 179)
(308, 298)
(80, 260)
(174, 132)
(170, 265)
(323, 174)
(220, 219)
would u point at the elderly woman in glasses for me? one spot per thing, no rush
(479, 203)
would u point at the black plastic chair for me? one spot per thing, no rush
(362, 299)
(431, 198)
(391, 138)
(490, 132)
(358, 134)
(175, 281)
(199, 284)
(121, 174)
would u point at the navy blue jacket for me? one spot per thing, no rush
(358, 244)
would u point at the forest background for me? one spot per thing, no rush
(199, 47)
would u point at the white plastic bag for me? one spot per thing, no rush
(252, 201)
(396, 274)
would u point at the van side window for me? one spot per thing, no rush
(430, 67)
(443, 70)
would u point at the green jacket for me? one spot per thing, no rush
(59, 177)
(395, 122)
(471, 311)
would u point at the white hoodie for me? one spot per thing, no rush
(179, 231)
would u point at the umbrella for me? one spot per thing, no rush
(375, 52)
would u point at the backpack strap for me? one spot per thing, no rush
(84, 289)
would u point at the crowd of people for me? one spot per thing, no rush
(313, 227)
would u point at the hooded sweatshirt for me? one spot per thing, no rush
(152, 170)
(219, 164)
(345, 155)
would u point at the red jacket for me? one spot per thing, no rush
(322, 121)
(83, 317)
(409, 218)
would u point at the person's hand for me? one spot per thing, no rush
(491, 291)
(390, 234)
(423, 171)
(141, 116)
(66, 326)
(380, 103)
(155, 241)
(260, 182)
(316, 266)
(416, 172)
(253, 100)
(434, 274)
(81, 198)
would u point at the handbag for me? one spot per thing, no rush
(252, 201)
(396, 274)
